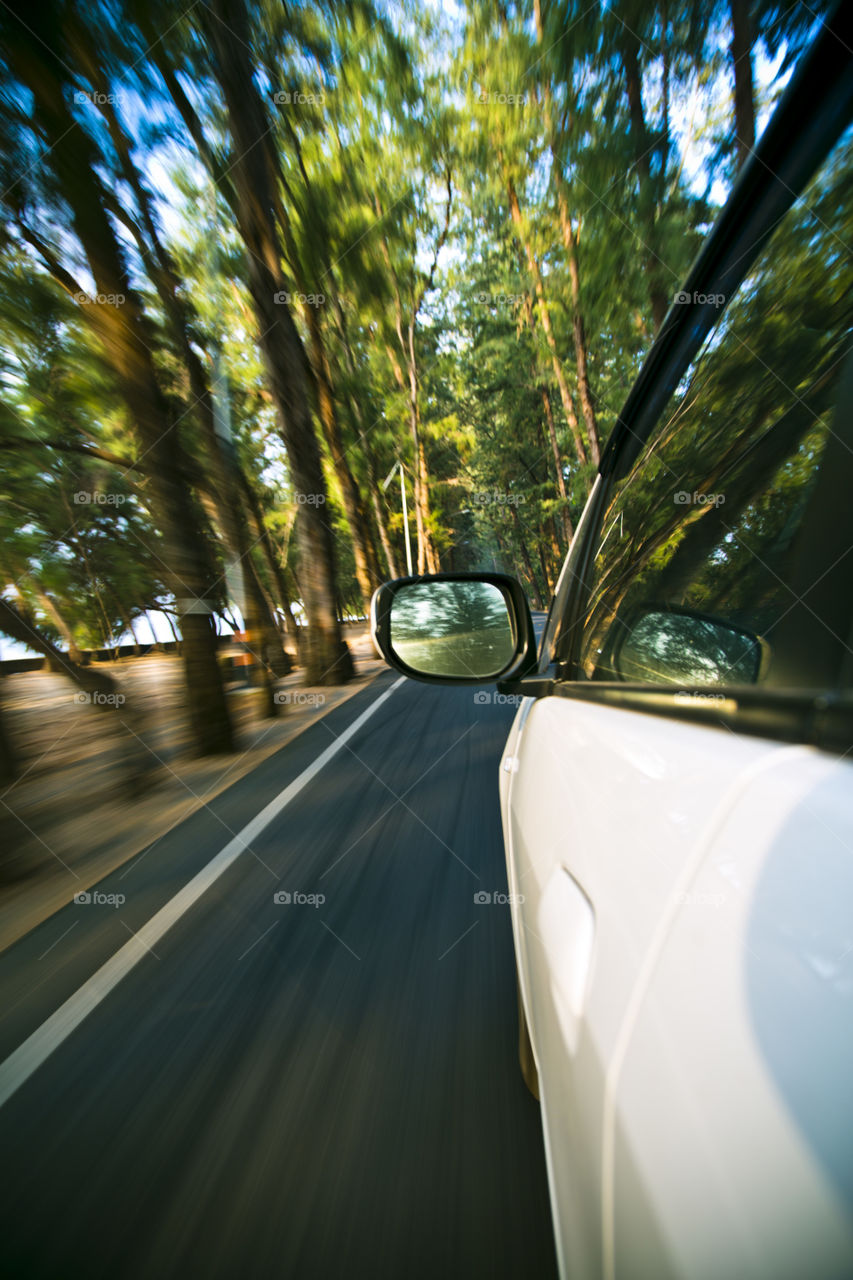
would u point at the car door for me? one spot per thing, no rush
(694, 735)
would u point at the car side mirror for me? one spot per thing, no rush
(678, 646)
(454, 628)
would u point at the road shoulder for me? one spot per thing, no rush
(185, 786)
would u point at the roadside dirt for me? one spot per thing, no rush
(96, 787)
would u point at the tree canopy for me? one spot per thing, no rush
(255, 257)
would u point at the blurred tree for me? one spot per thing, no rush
(118, 322)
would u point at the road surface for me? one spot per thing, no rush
(320, 1087)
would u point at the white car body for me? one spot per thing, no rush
(684, 941)
(681, 876)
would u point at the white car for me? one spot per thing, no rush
(677, 787)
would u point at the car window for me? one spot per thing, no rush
(724, 555)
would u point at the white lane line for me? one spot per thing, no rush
(38, 1047)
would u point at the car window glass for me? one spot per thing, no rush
(706, 571)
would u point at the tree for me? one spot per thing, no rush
(251, 184)
(118, 322)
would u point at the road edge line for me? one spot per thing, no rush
(41, 1043)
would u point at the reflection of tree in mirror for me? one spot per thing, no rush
(452, 628)
(673, 648)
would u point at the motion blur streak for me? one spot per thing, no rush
(295, 1088)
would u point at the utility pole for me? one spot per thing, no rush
(385, 484)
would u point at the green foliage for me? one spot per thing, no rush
(401, 135)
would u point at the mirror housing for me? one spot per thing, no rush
(505, 640)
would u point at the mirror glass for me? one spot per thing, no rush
(668, 647)
(452, 629)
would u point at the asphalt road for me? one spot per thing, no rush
(304, 1089)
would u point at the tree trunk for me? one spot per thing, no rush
(271, 628)
(568, 532)
(259, 673)
(555, 448)
(546, 573)
(176, 635)
(128, 624)
(570, 240)
(253, 605)
(744, 97)
(364, 551)
(366, 566)
(252, 187)
(379, 517)
(528, 563)
(128, 342)
(427, 556)
(357, 417)
(79, 546)
(63, 627)
(428, 561)
(226, 511)
(658, 293)
(274, 568)
(545, 321)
